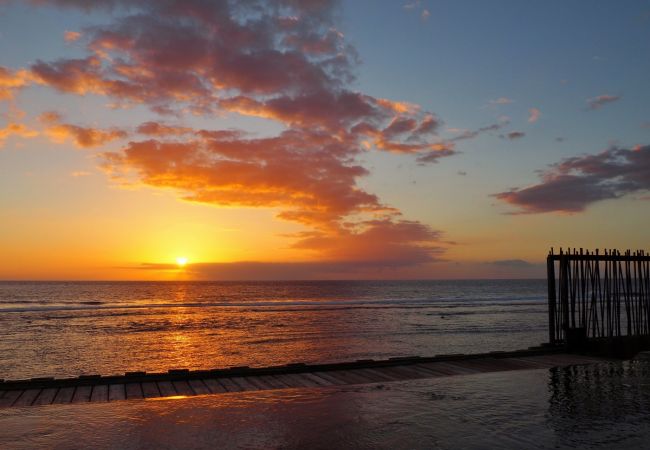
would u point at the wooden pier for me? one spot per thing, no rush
(186, 383)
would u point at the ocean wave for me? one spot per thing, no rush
(271, 306)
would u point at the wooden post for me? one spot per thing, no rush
(564, 292)
(550, 276)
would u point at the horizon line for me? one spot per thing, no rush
(261, 280)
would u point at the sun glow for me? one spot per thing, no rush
(181, 261)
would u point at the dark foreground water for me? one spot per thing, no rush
(597, 406)
(57, 329)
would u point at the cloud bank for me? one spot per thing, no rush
(282, 60)
(574, 183)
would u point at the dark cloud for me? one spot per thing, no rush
(601, 100)
(513, 135)
(441, 150)
(574, 183)
(471, 134)
(446, 147)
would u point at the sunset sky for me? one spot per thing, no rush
(314, 139)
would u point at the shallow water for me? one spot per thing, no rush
(58, 329)
(594, 406)
(66, 329)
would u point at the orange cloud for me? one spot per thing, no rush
(321, 191)
(83, 137)
(402, 243)
(398, 107)
(10, 81)
(16, 129)
(230, 171)
(79, 76)
(282, 60)
(71, 36)
(161, 129)
(533, 115)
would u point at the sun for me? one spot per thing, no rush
(181, 261)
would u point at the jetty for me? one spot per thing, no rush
(186, 383)
(598, 310)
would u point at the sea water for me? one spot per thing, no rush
(72, 328)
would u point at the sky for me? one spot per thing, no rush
(317, 139)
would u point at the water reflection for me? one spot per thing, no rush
(54, 329)
(602, 406)
(600, 403)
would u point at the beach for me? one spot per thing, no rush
(590, 406)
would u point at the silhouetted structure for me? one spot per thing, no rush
(599, 301)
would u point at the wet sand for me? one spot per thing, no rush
(601, 406)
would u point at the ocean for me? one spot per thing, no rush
(72, 328)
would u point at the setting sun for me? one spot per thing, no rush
(181, 261)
